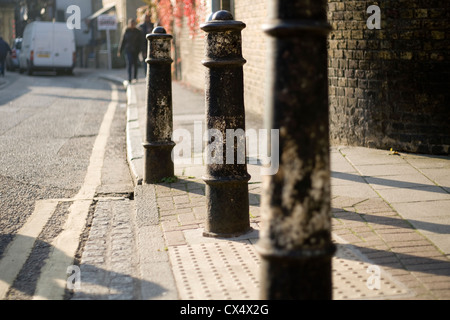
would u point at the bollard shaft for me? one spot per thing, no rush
(295, 242)
(226, 177)
(158, 143)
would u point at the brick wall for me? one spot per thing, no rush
(191, 53)
(254, 15)
(191, 50)
(390, 87)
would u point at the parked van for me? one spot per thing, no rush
(47, 46)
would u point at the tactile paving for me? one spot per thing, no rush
(221, 270)
(354, 277)
(230, 270)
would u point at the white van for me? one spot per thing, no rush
(47, 46)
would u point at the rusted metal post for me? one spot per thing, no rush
(295, 242)
(226, 175)
(158, 143)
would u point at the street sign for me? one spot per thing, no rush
(107, 22)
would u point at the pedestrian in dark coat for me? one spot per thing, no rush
(146, 27)
(4, 50)
(131, 43)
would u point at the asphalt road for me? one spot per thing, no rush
(48, 127)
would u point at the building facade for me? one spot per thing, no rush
(122, 10)
(389, 87)
(7, 20)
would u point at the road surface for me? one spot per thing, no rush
(62, 145)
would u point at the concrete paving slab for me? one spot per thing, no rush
(440, 240)
(418, 210)
(345, 178)
(338, 163)
(378, 159)
(437, 225)
(439, 175)
(417, 194)
(375, 170)
(354, 190)
(431, 218)
(364, 156)
(428, 161)
(403, 181)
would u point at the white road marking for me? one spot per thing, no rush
(20, 248)
(52, 281)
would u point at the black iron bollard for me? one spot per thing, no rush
(226, 174)
(158, 143)
(295, 242)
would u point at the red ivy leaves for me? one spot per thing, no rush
(178, 12)
(191, 9)
(190, 14)
(165, 14)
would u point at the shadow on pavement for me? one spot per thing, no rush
(421, 264)
(115, 285)
(401, 223)
(387, 182)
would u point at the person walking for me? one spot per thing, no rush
(131, 43)
(146, 27)
(4, 50)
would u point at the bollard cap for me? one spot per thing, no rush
(222, 21)
(158, 33)
(222, 15)
(159, 30)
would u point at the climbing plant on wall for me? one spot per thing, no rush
(170, 12)
(165, 14)
(191, 15)
(178, 12)
(194, 11)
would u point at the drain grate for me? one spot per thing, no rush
(230, 270)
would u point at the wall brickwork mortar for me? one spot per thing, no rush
(389, 88)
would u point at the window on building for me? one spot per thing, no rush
(223, 5)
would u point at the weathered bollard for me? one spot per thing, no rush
(158, 143)
(295, 241)
(226, 175)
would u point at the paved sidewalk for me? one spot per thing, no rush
(391, 221)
